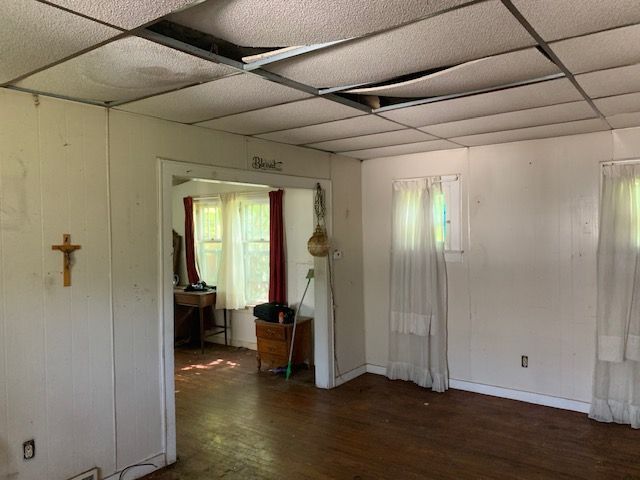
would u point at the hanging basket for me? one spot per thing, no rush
(318, 244)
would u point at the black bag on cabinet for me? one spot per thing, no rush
(270, 312)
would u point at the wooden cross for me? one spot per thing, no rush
(67, 249)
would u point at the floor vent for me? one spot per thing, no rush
(90, 475)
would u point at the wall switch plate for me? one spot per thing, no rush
(29, 449)
(525, 361)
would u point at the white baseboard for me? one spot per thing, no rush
(529, 397)
(138, 472)
(237, 343)
(520, 395)
(350, 375)
(376, 369)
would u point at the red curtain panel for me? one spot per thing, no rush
(189, 241)
(277, 263)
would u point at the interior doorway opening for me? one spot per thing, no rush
(229, 335)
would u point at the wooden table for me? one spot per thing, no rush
(201, 300)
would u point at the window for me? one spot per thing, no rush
(254, 214)
(255, 236)
(208, 237)
(447, 207)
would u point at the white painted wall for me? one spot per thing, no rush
(80, 367)
(527, 281)
(136, 143)
(56, 361)
(298, 220)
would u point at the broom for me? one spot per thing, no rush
(295, 320)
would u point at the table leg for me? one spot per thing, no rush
(259, 361)
(201, 329)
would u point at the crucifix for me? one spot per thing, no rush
(67, 249)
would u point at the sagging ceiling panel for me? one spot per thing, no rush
(281, 117)
(555, 19)
(124, 13)
(511, 120)
(624, 120)
(517, 98)
(619, 104)
(532, 133)
(122, 70)
(469, 33)
(351, 127)
(478, 74)
(34, 35)
(599, 51)
(283, 23)
(614, 81)
(402, 149)
(374, 140)
(226, 96)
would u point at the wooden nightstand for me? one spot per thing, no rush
(274, 341)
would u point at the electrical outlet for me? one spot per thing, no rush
(29, 449)
(337, 254)
(525, 361)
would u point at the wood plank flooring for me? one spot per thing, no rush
(234, 423)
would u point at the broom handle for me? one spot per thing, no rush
(295, 322)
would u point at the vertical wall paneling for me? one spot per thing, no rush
(57, 339)
(23, 273)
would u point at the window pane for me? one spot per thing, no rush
(209, 258)
(255, 228)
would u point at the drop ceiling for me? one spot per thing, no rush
(364, 78)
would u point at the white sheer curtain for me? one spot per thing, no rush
(231, 285)
(616, 390)
(418, 316)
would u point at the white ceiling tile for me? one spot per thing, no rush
(281, 23)
(34, 35)
(511, 120)
(351, 127)
(532, 133)
(625, 120)
(395, 150)
(124, 13)
(452, 38)
(221, 97)
(601, 50)
(296, 114)
(614, 81)
(124, 70)
(479, 74)
(619, 104)
(555, 19)
(517, 98)
(375, 140)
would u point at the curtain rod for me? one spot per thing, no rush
(457, 176)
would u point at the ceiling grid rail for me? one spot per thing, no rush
(554, 58)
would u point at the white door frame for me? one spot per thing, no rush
(323, 327)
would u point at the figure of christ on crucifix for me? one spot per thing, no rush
(67, 249)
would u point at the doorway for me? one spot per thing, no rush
(171, 172)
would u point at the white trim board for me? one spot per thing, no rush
(138, 472)
(350, 375)
(511, 394)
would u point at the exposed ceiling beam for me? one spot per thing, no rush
(441, 98)
(554, 58)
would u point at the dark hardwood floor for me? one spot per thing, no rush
(234, 423)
